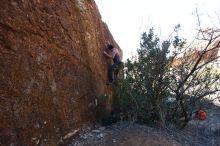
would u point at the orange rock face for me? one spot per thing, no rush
(52, 68)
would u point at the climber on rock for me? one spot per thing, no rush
(114, 68)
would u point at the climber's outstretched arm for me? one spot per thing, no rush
(109, 56)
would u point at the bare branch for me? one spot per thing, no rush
(199, 22)
(208, 62)
(199, 60)
(205, 94)
(194, 76)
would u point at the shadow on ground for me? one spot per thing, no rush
(196, 133)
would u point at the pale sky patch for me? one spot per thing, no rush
(127, 19)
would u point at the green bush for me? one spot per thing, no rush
(140, 94)
(152, 79)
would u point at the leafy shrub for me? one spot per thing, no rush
(162, 87)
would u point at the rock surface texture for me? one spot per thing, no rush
(52, 68)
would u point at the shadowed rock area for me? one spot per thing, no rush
(52, 68)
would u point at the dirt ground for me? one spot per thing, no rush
(196, 133)
(123, 134)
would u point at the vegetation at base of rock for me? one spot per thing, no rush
(161, 86)
(102, 115)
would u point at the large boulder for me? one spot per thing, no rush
(52, 68)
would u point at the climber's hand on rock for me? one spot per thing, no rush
(105, 53)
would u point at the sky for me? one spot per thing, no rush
(128, 19)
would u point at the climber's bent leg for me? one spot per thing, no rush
(111, 71)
